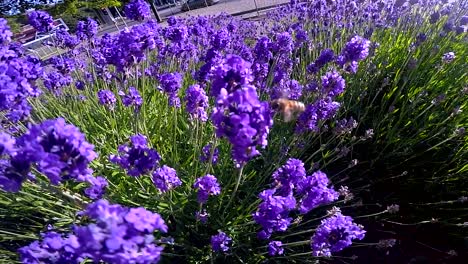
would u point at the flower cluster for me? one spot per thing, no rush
(128, 47)
(290, 181)
(57, 150)
(5, 32)
(448, 57)
(332, 84)
(320, 110)
(165, 178)
(326, 56)
(291, 89)
(86, 29)
(7, 144)
(345, 126)
(334, 234)
(107, 98)
(206, 185)
(230, 74)
(206, 154)
(275, 248)
(170, 84)
(315, 192)
(288, 176)
(196, 103)
(355, 50)
(136, 158)
(132, 98)
(63, 39)
(272, 213)
(41, 21)
(284, 43)
(243, 120)
(117, 235)
(220, 242)
(17, 77)
(137, 10)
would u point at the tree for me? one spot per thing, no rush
(12, 7)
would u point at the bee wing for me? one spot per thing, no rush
(287, 115)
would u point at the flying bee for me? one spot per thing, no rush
(287, 108)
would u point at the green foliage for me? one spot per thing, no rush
(416, 149)
(72, 7)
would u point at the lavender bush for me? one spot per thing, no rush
(171, 129)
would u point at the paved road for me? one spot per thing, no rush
(228, 6)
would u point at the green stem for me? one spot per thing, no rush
(239, 177)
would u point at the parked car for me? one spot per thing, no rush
(194, 4)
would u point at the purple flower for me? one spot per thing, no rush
(206, 154)
(284, 43)
(272, 213)
(63, 39)
(59, 150)
(275, 248)
(40, 20)
(172, 20)
(165, 178)
(356, 49)
(448, 57)
(315, 192)
(220, 242)
(262, 50)
(232, 73)
(80, 85)
(56, 149)
(96, 188)
(107, 98)
(54, 81)
(202, 216)
(244, 121)
(87, 29)
(196, 103)
(131, 98)
(116, 235)
(177, 33)
(136, 158)
(170, 84)
(320, 110)
(137, 10)
(345, 126)
(7, 144)
(325, 57)
(332, 84)
(288, 176)
(301, 36)
(291, 89)
(334, 234)
(220, 39)
(63, 64)
(206, 185)
(5, 32)
(312, 87)
(13, 173)
(464, 20)
(145, 221)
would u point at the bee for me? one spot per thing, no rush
(287, 108)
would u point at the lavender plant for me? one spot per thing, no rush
(170, 129)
